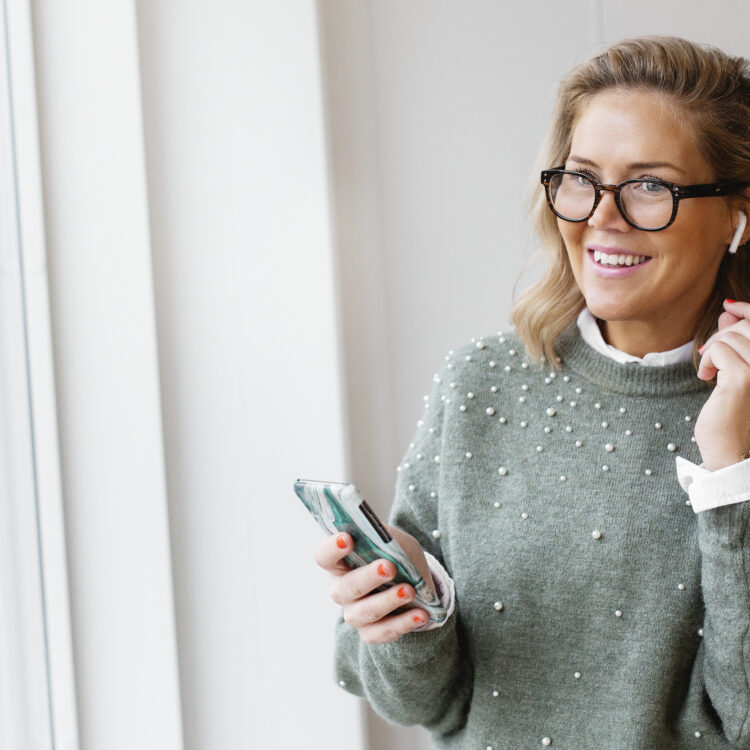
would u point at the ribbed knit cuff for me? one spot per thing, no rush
(419, 647)
(725, 526)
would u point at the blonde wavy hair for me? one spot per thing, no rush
(712, 90)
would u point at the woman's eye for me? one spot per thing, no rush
(584, 177)
(652, 187)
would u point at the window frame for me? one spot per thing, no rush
(19, 113)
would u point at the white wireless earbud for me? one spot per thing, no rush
(741, 223)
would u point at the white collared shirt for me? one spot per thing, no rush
(592, 335)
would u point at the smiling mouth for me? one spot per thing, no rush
(621, 259)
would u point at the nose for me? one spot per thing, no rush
(607, 215)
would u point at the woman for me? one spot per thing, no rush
(593, 603)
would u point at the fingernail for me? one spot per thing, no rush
(341, 542)
(382, 572)
(402, 593)
(418, 619)
(731, 301)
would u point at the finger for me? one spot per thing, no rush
(413, 550)
(727, 319)
(729, 355)
(742, 326)
(394, 627)
(373, 608)
(330, 553)
(738, 309)
(360, 582)
(733, 313)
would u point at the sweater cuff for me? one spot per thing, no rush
(418, 647)
(713, 489)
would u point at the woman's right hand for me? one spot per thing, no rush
(372, 614)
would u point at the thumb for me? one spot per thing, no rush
(414, 550)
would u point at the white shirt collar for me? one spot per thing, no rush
(591, 334)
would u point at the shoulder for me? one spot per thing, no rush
(489, 371)
(502, 352)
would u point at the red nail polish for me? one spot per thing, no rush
(382, 572)
(341, 542)
(417, 619)
(731, 301)
(401, 593)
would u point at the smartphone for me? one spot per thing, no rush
(337, 507)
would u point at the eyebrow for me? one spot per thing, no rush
(632, 165)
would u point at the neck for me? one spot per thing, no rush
(640, 338)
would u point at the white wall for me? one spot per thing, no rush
(249, 364)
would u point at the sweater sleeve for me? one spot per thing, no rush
(424, 677)
(724, 540)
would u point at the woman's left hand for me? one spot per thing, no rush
(722, 430)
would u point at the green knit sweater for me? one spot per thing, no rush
(595, 609)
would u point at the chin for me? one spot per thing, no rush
(609, 310)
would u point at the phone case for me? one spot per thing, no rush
(338, 507)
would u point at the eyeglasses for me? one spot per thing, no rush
(648, 204)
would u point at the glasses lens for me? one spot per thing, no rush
(572, 195)
(647, 204)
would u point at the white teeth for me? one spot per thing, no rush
(618, 260)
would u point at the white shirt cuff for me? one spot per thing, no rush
(713, 489)
(444, 588)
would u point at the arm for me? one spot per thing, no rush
(723, 537)
(723, 435)
(423, 677)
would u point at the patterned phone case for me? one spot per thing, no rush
(339, 507)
